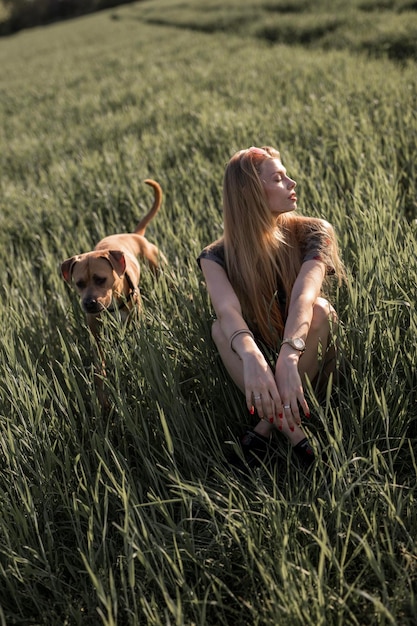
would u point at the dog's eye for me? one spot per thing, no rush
(99, 280)
(80, 284)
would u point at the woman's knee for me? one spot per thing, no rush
(324, 315)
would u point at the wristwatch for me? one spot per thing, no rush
(295, 342)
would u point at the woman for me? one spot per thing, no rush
(265, 278)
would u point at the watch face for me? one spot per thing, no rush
(299, 343)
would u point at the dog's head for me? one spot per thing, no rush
(97, 277)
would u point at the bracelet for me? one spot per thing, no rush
(242, 331)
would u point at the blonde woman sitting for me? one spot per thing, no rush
(265, 278)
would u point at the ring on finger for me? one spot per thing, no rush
(257, 397)
(287, 406)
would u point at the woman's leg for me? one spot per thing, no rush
(324, 316)
(319, 359)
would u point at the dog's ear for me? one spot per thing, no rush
(67, 267)
(117, 261)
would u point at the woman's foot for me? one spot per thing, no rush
(254, 449)
(304, 453)
(300, 445)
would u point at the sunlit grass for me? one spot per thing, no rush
(383, 28)
(132, 517)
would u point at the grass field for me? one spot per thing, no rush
(131, 517)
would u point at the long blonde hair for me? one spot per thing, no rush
(262, 251)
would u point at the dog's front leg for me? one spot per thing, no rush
(100, 367)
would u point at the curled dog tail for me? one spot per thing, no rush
(141, 227)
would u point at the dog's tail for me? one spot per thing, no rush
(141, 227)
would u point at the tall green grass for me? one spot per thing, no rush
(131, 517)
(382, 28)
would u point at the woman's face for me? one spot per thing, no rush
(279, 188)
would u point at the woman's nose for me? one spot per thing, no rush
(291, 183)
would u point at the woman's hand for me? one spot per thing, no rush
(260, 387)
(290, 388)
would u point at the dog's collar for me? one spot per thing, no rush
(125, 299)
(123, 302)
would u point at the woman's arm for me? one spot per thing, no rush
(260, 386)
(305, 292)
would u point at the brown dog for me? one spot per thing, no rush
(107, 278)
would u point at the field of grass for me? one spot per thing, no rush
(377, 27)
(132, 517)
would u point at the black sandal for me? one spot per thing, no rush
(304, 453)
(253, 454)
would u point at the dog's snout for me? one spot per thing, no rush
(91, 305)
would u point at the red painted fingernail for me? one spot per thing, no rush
(308, 415)
(271, 420)
(292, 429)
(280, 416)
(251, 410)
